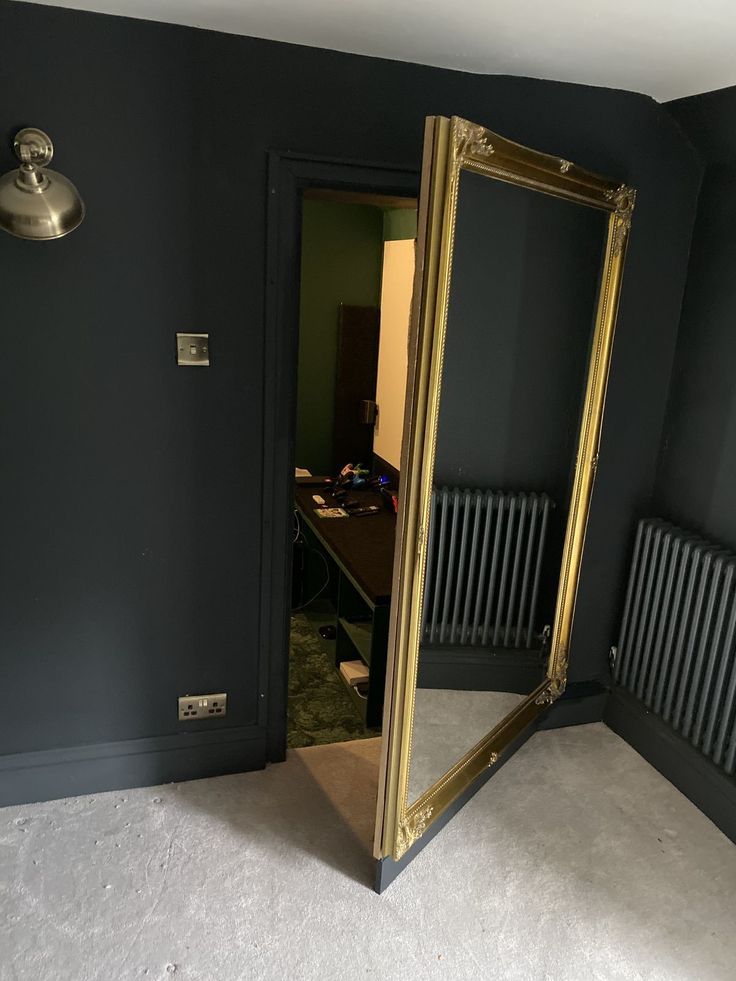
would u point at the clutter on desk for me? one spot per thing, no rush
(340, 502)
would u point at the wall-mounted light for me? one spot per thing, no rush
(36, 203)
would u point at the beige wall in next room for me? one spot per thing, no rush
(396, 291)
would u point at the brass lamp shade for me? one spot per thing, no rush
(36, 203)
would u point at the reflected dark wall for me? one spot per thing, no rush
(524, 279)
(526, 268)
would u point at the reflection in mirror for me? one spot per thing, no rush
(525, 275)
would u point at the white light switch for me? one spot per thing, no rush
(193, 349)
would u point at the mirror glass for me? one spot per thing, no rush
(524, 281)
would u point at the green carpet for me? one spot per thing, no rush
(320, 710)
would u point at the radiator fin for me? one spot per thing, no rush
(484, 564)
(677, 645)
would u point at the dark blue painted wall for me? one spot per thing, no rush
(131, 494)
(696, 479)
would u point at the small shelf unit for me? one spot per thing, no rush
(362, 634)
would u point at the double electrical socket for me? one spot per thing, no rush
(202, 707)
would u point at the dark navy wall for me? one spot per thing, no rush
(131, 492)
(696, 475)
(696, 479)
(522, 305)
(522, 309)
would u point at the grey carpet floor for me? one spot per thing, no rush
(577, 861)
(447, 723)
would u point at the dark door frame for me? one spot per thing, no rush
(289, 175)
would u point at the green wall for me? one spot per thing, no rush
(399, 223)
(342, 254)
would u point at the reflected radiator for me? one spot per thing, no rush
(677, 649)
(484, 563)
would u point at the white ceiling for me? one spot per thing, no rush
(665, 48)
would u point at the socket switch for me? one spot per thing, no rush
(202, 707)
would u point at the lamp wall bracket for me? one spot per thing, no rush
(33, 146)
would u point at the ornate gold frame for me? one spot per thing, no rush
(453, 145)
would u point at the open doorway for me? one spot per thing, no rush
(356, 269)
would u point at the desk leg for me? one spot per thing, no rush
(379, 652)
(343, 648)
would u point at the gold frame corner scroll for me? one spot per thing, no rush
(451, 146)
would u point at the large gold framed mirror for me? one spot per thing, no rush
(519, 264)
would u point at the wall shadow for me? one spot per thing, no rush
(321, 802)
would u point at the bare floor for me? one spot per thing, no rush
(577, 861)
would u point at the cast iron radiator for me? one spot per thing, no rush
(677, 650)
(483, 567)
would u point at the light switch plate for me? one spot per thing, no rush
(193, 349)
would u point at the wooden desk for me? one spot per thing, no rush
(363, 551)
